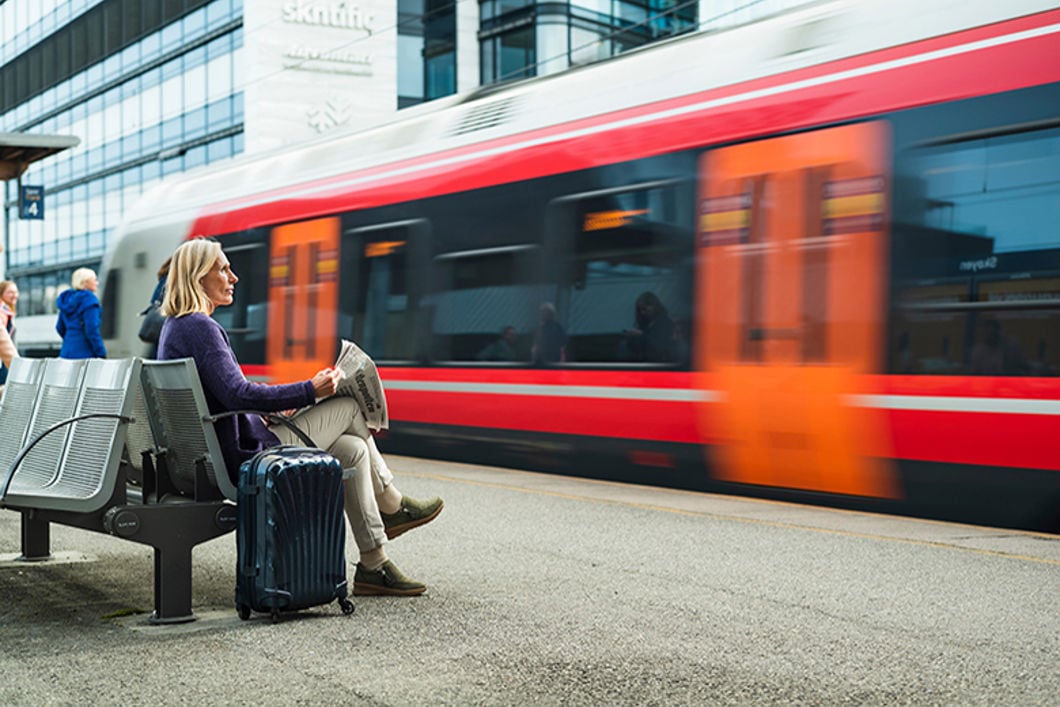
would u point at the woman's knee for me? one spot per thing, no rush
(351, 451)
(349, 412)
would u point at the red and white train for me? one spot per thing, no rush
(847, 218)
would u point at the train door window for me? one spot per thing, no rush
(382, 289)
(480, 297)
(976, 255)
(245, 320)
(624, 260)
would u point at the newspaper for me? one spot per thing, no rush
(360, 380)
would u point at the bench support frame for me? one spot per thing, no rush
(172, 529)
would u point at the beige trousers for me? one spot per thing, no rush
(337, 425)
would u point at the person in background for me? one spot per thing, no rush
(200, 280)
(502, 349)
(8, 302)
(550, 340)
(652, 338)
(79, 317)
(148, 333)
(996, 354)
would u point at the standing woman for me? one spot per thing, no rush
(8, 302)
(200, 280)
(79, 315)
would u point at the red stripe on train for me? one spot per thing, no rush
(986, 439)
(980, 72)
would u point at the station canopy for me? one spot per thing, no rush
(19, 150)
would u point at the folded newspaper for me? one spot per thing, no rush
(360, 379)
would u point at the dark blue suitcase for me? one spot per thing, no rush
(290, 533)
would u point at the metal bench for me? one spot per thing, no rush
(107, 446)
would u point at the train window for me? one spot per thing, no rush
(480, 296)
(246, 319)
(380, 306)
(976, 256)
(625, 281)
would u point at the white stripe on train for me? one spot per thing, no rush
(937, 403)
(933, 403)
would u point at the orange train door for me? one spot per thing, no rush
(792, 261)
(303, 298)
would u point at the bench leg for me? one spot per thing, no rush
(172, 586)
(36, 539)
(174, 530)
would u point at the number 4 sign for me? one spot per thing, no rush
(31, 202)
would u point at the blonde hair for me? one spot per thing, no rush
(3, 288)
(80, 278)
(190, 263)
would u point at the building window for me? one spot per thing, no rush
(426, 50)
(520, 38)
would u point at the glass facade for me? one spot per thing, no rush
(426, 50)
(150, 88)
(523, 38)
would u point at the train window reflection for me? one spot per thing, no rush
(626, 285)
(976, 263)
(479, 296)
(1001, 188)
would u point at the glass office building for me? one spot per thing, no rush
(150, 88)
(156, 87)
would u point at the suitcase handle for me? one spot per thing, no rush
(272, 417)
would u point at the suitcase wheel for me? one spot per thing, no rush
(244, 611)
(347, 606)
(275, 614)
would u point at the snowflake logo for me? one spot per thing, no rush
(329, 113)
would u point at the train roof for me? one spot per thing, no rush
(812, 34)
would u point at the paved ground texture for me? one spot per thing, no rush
(547, 590)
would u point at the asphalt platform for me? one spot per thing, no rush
(547, 590)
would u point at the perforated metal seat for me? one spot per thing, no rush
(75, 466)
(180, 420)
(16, 408)
(56, 401)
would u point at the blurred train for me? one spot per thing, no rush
(840, 224)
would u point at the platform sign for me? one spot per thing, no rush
(31, 202)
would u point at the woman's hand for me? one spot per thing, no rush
(326, 382)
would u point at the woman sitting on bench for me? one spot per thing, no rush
(200, 280)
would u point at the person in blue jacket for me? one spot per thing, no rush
(79, 315)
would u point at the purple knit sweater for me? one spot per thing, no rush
(199, 337)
